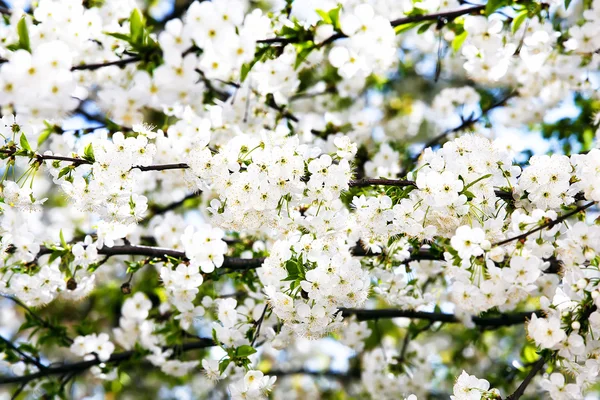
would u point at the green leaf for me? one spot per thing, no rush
(324, 16)
(23, 35)
(470, 195)
(136, 27)
(518, 21)
(334, 16)
(425, 27)
(55, 255)
(302, 54)
(406, 27)
(223, 365)
(63, 242)
(24, 143)
(64, 172)
(245, 351)
(88, 153)
(567, 3)
(120, 36)
(45, 133)
(245, 70)
(458, 41)
(493, 5)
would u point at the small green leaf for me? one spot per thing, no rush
(567, 3)
(62, 239)
(424, 28)
(136, 27)
(24, 143)
(45, 133)
(334, 16)
(470, 195)
(120, 36)
(64, 172)
(88, 153)
(324, 16)
(302, 54)
(493, 5)
(245, 351)
(223, 365)
(405, 27)
(245, 70)
(518, 21)
(23, 35)
(458, 41)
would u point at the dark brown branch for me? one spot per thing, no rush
(26, 357)
(383, 182)
(537, 367)
(466, 123)
(548, 224)
(348, 375)
(84, 365)
(74, 161)
(159, 210)
(231, 263)
(93, 67)
(446, 16)
(487, 322)
(258, 324)
(161, 167)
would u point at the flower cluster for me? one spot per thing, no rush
(254, 386)
(92, 346)
(309, 279)
(252, 176)
(470, 387)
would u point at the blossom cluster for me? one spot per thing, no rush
(227, 197)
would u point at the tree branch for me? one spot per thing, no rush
(486, 322)
(159, 210)
(549, 224)
(25, 356)
(537, 367)
(161, 167)
(383, 182)
(231, 263)
(464, 125)
(446, 16)
(84, 365)
(93, 67)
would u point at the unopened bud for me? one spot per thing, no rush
(126, 288)
(575, 325)
(71, 284)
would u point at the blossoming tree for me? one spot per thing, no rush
(299, 199)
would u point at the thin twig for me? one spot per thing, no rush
(93, 67)
(84, 365)
(537, 367)
(259, 324)
(25, 356)
(548, 224)
(500, 321)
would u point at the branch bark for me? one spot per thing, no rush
(537, 367)
(549, 224)
(486, 322)
(84, 365)
(119, 63)
(231, 263)
(445, 16)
